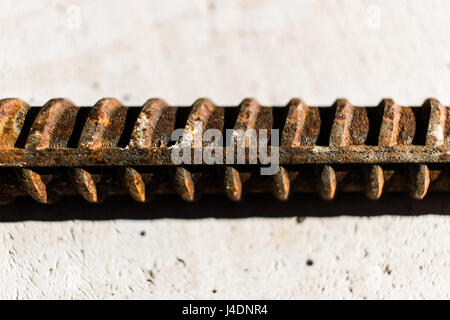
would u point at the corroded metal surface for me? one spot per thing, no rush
(62, 149)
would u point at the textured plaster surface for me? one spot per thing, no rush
(226, 50)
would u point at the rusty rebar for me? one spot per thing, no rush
(61, 149)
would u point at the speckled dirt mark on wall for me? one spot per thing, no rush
(61, 149)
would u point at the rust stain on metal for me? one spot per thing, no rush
(233, 184)
(62, 149)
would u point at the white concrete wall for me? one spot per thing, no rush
(226, 50)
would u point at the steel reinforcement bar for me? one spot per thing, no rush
(62, 149)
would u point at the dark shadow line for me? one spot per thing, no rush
(218, 206)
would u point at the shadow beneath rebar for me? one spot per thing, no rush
(218, 206)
